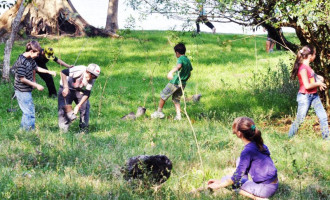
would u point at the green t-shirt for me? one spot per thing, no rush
(184, 71)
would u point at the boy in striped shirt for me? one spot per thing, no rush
(24, 83)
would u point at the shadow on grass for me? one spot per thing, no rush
(232, 103)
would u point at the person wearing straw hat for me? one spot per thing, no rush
(76, 85)
(44, 56)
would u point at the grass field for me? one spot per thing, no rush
(235, 77)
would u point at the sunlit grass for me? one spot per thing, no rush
(47, 164)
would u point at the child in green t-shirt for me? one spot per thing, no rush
(177, 84)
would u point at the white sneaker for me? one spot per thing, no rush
(177, 118)
(213, 30)
(157, 114)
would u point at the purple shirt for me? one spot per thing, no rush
(256, 163)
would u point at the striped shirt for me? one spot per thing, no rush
(25, 69)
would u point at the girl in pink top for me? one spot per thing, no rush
(307, 95)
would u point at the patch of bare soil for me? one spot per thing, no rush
(282, 125)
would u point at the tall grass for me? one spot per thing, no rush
(233, 81)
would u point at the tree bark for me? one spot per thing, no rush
(112, 16)
(277, 35)
(5, 23)
(10, 41)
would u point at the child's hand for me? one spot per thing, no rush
(65, 92)
(40, 87)
(322, 86)
(213, 184)
(53, 73)
(170, 76)
(76, 109)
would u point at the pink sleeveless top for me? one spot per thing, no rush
(311, 79)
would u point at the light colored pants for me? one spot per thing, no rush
(174, 90)
(25, 102)
(305, 101)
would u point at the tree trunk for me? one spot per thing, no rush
(51, 17)
(5, 24)
(10, 41)
(277, 35)
(112, 16)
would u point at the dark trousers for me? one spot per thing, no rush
(76, 96)
(49, 82)
(205, 21)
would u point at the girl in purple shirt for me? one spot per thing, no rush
(254, 160)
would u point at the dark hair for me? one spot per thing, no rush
(180, 48)
(250, 132)
(301, 55)
(33, 45)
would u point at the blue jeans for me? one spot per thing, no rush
(25, 102)
(305, 101)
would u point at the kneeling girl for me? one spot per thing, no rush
(254, 160)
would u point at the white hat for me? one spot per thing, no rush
(94, 69)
